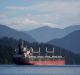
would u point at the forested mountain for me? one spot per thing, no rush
(8, 45)
(70, 42)
(9, 32)
(45, 34)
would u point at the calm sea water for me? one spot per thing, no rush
(39, 70)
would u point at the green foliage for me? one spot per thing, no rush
(8, 45)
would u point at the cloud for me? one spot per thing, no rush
(24, 21)
(2, 16)
(51, 6)
(16, 8)
(54, 13)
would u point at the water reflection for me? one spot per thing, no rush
(39, 70)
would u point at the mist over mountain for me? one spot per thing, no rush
(9, 32)
(67, 38)
(45, 34)
(70, 42)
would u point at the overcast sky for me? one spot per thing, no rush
(29, 14)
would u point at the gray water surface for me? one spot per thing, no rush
(39, 70)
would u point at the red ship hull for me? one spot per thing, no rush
(56, 62)
(49, 62)
(53, 62)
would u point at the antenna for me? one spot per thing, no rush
(60, 52)
(39, 51)
(46, 51)
(53, 51)
(32, 50)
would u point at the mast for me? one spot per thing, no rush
(32, 51)
(46, 51)
(53, 51)
(39, 51)
(20, 47)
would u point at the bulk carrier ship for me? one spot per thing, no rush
(25, 56)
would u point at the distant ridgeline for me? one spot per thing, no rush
(8, 45)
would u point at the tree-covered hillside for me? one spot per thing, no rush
(70, 42)
(8, 45)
